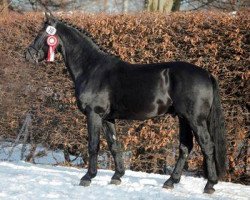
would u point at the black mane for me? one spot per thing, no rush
(89, 35)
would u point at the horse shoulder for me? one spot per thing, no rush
(94, 94)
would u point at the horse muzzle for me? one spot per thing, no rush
(34, 56)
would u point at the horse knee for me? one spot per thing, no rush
(93, 150)
(116, 147)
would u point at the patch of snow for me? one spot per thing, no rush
(8, 152)
(20, 180)
(11, 152)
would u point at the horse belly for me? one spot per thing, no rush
(140, 110)
(143, 95)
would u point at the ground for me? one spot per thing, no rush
(21, 180)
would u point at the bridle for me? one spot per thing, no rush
(35, 52)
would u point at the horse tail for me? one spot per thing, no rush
(216, 126)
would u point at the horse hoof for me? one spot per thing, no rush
(85, 183)
(209, 190)
(168, 186)
(115, 182)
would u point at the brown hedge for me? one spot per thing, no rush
(217, 41)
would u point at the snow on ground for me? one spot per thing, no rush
(11, 152)
(21, 180)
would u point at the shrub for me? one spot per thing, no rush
(216, 41)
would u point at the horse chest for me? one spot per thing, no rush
(96, 101)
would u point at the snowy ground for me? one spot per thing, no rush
(21, 180)
(11, 152)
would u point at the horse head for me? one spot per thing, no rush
(45, 43)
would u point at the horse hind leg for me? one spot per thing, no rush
(207, 147)
(186, 145)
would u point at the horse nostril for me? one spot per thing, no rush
(27, 55)
(30, 54)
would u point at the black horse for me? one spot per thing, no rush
(108, 88)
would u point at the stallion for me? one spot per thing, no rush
(108, 88)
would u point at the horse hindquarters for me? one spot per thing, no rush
(212, 141)
(198, 124)
(193, 97)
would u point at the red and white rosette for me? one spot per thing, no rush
(52, 41)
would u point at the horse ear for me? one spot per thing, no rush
(47, 15)
(49, 18)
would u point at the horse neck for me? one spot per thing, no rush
(81, 55)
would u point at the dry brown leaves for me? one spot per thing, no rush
(216, 41)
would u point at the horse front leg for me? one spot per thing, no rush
(94, 124)
(116, 150)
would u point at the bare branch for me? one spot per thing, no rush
(5, 6)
